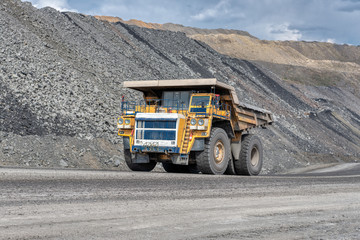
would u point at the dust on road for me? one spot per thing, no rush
(60, 204)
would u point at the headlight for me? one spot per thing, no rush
(127, 121)
(201, 122)
(193, 121)
(121, 121)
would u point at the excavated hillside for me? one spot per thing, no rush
(311, 63)
(189, 31)
(60, 92)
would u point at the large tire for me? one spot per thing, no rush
(142, 167)
(251, 156)
(174, 168)
(215, 158)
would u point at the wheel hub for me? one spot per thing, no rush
(255, 156)
(219, 152)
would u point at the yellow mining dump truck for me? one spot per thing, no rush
(191, 125)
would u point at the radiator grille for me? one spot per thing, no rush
(156, 130)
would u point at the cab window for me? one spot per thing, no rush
(200, 100)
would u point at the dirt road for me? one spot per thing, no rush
(60, 204)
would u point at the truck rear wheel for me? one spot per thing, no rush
(142, 167)
(251, 156)
(215, 158)
(173, 168)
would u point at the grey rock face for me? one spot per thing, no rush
(60, 82)
(63, 163)
(116, 160)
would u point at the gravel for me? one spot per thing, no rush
(73, 204)
(61, 77)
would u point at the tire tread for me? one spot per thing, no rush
(243, 165)
(202, 158)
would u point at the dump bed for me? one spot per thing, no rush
(249, 116)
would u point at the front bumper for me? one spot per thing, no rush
(155, 149)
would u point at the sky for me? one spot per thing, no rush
(335, 21)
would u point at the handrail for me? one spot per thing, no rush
(214, 109)
(174, 106)
(153, 105)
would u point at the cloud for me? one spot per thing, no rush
(60, 5)
(350, 7)
(156, 11)
(118, 9)
(330, 40)
(308, 20)
(220, 10)
(284, 32)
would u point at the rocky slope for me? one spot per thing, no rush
(189, 31)
(60, 92)
(312, 63)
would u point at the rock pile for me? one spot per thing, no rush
(60, 92)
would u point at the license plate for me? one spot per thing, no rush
(151, 144)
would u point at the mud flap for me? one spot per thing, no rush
(140, 158)
(181, 159)
(235, 150)
(126, 142)
(199, 145)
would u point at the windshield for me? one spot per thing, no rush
(178, 99)
(200, 100)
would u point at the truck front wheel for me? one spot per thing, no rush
(251, 156)
(143, 167)
(215, 158)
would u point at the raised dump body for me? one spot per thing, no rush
(191, 125)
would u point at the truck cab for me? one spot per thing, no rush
(187, 125)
